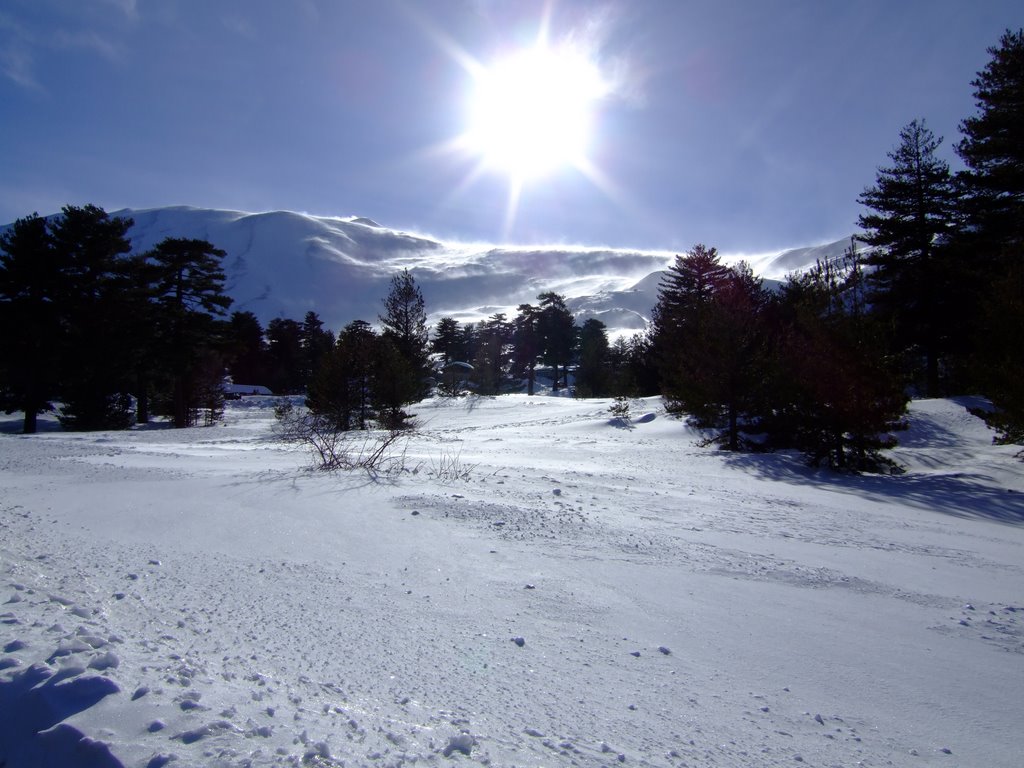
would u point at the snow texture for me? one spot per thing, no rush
(198, 598)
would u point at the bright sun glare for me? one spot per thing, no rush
(532, 113)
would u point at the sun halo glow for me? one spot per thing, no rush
(532, 113)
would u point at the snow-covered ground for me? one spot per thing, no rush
(589, 594)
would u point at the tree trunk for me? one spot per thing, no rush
(142, 400)
(180, 403)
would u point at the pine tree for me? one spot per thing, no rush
(527, 344)
(188, 293)
(679, 321)
(593, 374)
(393, 387)
(711, 343)
(993, 208)
(557, 330)
(836, 397)
(246, 349)
(448, 340)
(30, 331)
(993, 150)
(95, 286)
(913, 203)
(316, 343)
(405, 325)
(492, 341)
(729, 359)
(285, 356)
(342, 387)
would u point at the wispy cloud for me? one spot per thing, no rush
(23, 45)
(16, 59)
(16, 65)
(88, 41)
(129, 8)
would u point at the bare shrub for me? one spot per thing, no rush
(450, 467)
(378, 452)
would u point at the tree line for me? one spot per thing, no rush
(115, 337)
(930, 301)
(86, 321)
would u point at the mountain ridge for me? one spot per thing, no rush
(285, 263)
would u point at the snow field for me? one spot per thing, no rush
(589, 594)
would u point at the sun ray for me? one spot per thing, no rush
(530, 114)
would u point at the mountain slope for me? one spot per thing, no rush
(284, 264)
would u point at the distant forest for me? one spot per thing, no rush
(927, 301)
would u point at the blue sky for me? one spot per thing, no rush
(750, 126)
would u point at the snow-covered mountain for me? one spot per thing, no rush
(283, 264)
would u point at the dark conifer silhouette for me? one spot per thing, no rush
(593, 373)
(188, 295)
(558, 336)
(30, 329)
(96, 290)
(405, 326)
(913, 207)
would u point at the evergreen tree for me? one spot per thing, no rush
(393, 388)
(593, 374)
(712, 344)
(527, 344)
(246, 349)
(493, 338)
(95, 289)
(993, 207)
(30, 330)
(999, 357)
(639, 376)
(913, 203)
(316, 343)
(993, 150)
(285, 356)
(679, 322)
(405, 325)
(342, 387)
(188, 293)
(728, 360)
(837, 398)
(557, 330)
(448, 341)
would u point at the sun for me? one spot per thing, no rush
(533, 112)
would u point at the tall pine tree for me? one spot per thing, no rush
(96, 286)
(679, 321)
(993, 228)
(912, 209)
(993, 150)
(405, 326)
(30, 331)
(188, 294)
(558, 333)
